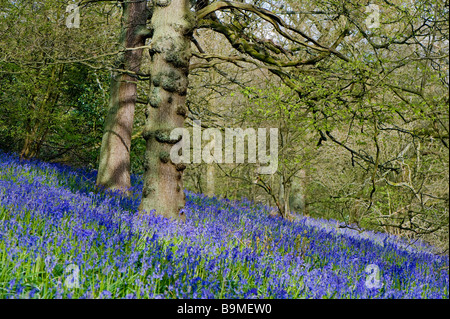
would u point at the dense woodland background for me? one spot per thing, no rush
(364, 133)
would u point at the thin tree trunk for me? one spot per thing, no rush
(304, 181)
(297, 196)
(26, 149)
(210, 180)
(114, 163)
(210, 176)
(210, 168)
(39, 119)
(281, 195)
(172, 23)
(26, 152)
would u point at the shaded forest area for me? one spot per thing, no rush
(362, 109)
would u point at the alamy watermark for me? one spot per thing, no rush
(73, 276)
(373, 279)
(213, 151)
(373, 19)
(73, 19)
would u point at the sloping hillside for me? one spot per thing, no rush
(58, 238)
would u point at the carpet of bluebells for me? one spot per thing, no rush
(60, 238)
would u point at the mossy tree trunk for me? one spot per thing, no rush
(172, 24)
(114, 163)
(40, 115)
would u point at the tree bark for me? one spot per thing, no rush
(172, 24)
(114, 163)
(210, 180)
(297, 198)
(39, 119)
(210, 175)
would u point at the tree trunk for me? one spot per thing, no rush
(297, 198)
(210, 180)
(26, 152)
(210, 174)
(114, 163)
(281, 195)
(172, 24)
(39, 120)
(304, 181)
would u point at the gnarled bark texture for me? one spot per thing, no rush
(172, 24)
(114, 165)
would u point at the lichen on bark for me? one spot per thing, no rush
(172, 25)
